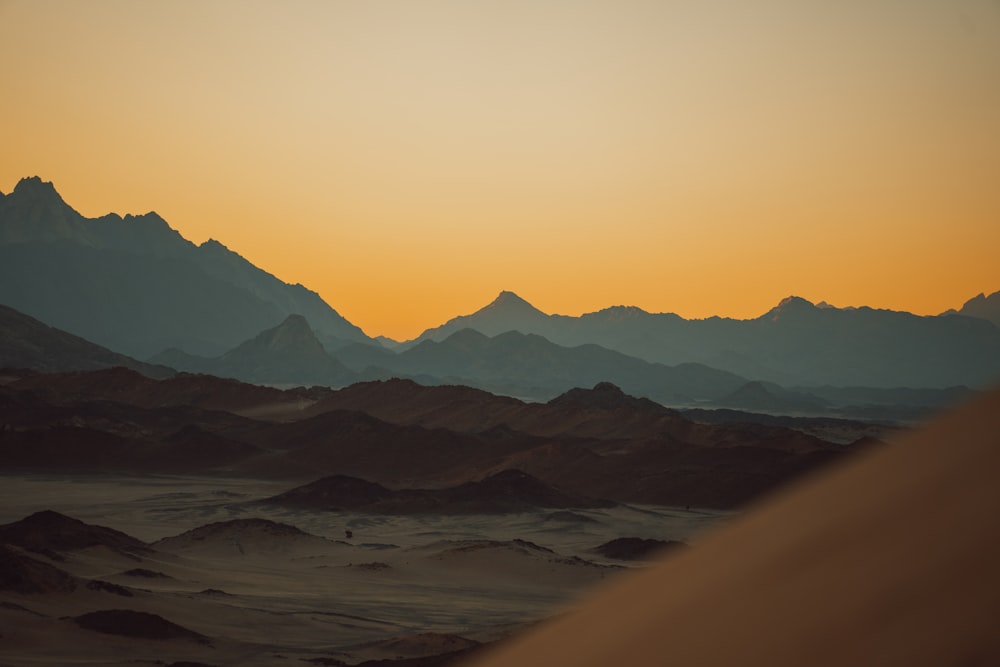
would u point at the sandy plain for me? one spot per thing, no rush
(401, 587)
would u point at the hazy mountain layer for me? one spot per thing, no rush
(530, 366)
(27, 343)
(795, 343)
(981, 306)
(289, 354)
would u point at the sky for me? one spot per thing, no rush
(409, 160)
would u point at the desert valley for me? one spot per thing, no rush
(203, 465)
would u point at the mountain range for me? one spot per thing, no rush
(590, 443)
(134, 286)
(796, 343)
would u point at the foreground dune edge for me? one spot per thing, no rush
(891, 558)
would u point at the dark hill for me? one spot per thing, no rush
(336, 492)
(601, 444)
(607, 396)
(636, 548)
(239, 530)
(515, 490)
(360, 445)
(137, 624)
(51, 531)
(503, 492)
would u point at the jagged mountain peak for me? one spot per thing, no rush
(35, 185)
(152, 218)
(68, 270)
(794, 302)
(34, 208)
(616, 313)
(509, 302)
(983, 307)
(212, 244)
(791, 305)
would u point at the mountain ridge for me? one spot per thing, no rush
(795, 343)
(287, 354)
(68, 270)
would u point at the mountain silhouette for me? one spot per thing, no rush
(289, 353)
(135, 285)
(981, 306)
(796, 343)
(27, 343)
(529, 365)
(508, 312)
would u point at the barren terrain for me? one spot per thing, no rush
(257, 584)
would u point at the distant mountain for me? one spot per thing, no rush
(137, 286)
(27, 343)
(981, 306)
(794, 343)
(289, 353)
(767, 397)
(530, 366)
(508, 312)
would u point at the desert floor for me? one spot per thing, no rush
(399, 587)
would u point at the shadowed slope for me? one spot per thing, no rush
(27, 343)
(23, 574)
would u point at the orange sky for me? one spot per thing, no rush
(409, 160)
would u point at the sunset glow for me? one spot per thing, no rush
(409, 160)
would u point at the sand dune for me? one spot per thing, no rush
(889, 560)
